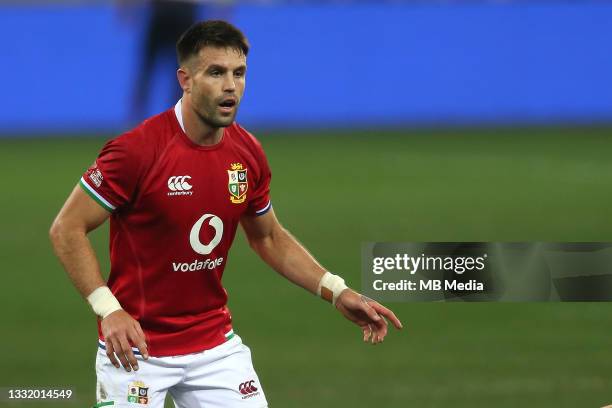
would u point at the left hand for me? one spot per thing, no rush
(367, 314)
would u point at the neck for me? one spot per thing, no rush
(198, 131)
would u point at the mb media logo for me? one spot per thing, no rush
(178, 185)
(248, 389)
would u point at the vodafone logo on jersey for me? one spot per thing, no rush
(194, 235)
(209, 220)
(179, 185)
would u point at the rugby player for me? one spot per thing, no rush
(175, 189)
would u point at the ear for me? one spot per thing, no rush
(184, 79)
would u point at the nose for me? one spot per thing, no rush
(229, 85)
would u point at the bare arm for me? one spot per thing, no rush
(80, 215)
(279, 249)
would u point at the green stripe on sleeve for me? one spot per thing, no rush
(104, 404)
(86, 188)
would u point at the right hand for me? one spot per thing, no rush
(119, 329)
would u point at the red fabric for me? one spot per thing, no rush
(156, 274)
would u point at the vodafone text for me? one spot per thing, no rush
(197, 265)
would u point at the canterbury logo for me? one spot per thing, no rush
(179, 183)
(194, 235)
(247, 387)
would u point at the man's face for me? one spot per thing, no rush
(215, 83)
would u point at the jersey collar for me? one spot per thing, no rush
(178, 111)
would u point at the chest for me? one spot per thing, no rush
(180, 187)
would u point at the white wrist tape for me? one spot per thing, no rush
(103, 302)
(330, 287)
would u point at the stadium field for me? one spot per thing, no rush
(334, 190)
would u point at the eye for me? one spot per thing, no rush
(215, 72)
(239, 74)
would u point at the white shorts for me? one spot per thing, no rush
(221, 377)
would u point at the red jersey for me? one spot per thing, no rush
(175, 209)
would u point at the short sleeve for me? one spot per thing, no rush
(112, 179)
(260, 203)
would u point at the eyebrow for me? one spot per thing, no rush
(223, 69)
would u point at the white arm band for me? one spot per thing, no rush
(330, 287)
(103, 302)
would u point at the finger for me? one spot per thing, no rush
(371, 334)
(375, 322)
(120, 354)
(129, 354)
(110, 352)
(371, 313)
(377, 337)
(380, 309)
(381, 329)
(367, 332)
(138, 339)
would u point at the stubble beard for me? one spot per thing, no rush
(212, 119)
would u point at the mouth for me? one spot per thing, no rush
(227, 105)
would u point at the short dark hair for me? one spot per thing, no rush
(215, 33)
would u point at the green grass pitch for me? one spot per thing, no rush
(334, 190)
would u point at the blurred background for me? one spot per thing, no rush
(382, 121)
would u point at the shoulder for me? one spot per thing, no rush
(246, 138)
(252, 150)
(143, 141)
